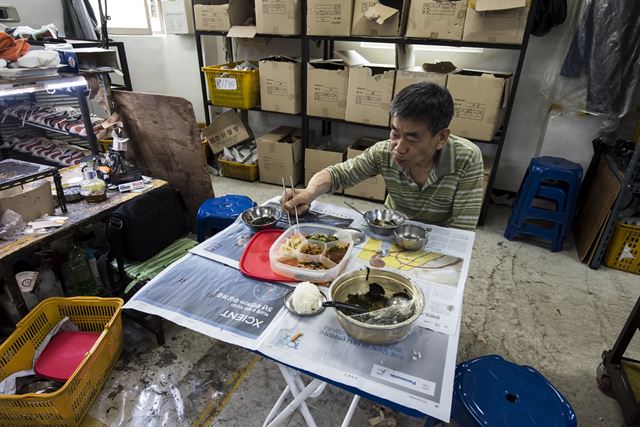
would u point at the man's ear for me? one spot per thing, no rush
(443, 137)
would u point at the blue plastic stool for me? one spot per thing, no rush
(490, 391)
(549, 178)
(220, 212)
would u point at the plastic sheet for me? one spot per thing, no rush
(12, 225)
(597, 65)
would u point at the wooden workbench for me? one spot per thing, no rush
(79, 214)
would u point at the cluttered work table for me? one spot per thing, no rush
(78, 214)
(206, 292)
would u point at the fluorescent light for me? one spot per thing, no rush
(44, 85)
(427, 48)
(64, 85)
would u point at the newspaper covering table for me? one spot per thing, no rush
(206, 292)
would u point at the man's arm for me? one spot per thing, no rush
(467, 201)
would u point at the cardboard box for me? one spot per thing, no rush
(278, 17)
(327, 83)
(222, 15)
(495, 25)
(435, 19)
(371, 188)
(329, 17)
(226, 130)
(369, 94)
(479, 99)
(280, 155)
(280, 84)
(32, 201)
(434, 73)
(316, 159)
(379, 18)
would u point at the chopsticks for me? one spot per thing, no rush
(284, 187)
(293, 193)
(295, 207)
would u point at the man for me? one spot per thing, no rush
(431, 176)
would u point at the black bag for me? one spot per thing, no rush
(144, 226)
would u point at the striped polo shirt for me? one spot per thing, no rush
(451, 196)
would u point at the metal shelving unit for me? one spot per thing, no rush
(75, 86)
(327, 48)
(627, 187)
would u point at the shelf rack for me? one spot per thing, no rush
(328, 42)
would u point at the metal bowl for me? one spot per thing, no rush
(411, 237)
(355, 282)
(256, 213)
(384, 215)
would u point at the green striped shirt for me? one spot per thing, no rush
(451, 196)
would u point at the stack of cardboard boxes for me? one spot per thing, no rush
(355, 90)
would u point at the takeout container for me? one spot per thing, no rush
(258, 212)
(355, 282)
(285, 261)
(384, 215)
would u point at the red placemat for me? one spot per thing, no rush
(254, 261)
(64, 353)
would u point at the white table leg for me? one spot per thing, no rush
(276, 407)
(298, 401)
(351, 411)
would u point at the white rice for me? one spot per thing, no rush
(306, 298)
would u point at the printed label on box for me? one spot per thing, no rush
(470, 110)
(440, 9)
(274, 8)
(226, 83)
(328, 13)
(366, 96)
(277, 88)
(325, 94)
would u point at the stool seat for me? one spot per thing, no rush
(218, 213)
(490, 391)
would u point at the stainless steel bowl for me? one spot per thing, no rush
(384, 215)
(251, 215)
(411, 237)
(355, 282)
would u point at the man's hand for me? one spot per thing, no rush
(299, 200)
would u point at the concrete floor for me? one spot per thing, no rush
(523, 302)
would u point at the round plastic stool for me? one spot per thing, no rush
(490, 391)
(220, 212)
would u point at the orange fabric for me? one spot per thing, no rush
(12, 49)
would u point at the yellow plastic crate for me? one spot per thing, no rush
(239, 170)
(233, 88)
(68, 405)
(624, 236)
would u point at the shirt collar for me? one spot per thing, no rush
(445, 163)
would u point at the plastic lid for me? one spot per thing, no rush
(255, 258)
(64, 353)
(498, 393)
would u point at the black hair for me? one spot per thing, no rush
(424, 102)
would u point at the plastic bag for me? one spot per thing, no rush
(12, 225)
(596, 67)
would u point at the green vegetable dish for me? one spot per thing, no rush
(322, 237)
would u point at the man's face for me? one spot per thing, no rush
(412, 144)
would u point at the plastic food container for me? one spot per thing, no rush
(302, 256)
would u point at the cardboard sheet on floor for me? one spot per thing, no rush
(595, 210)
(166, 143)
